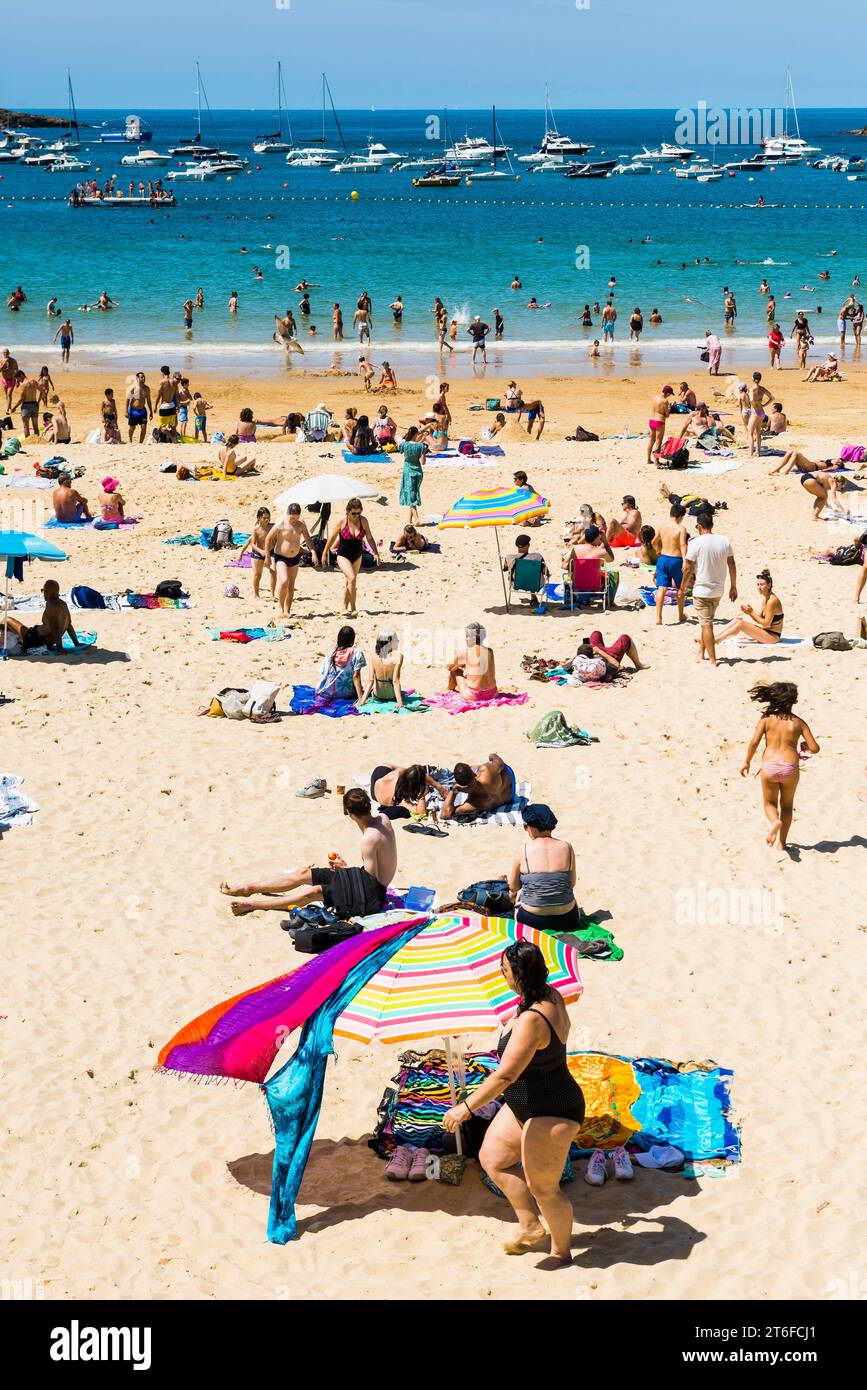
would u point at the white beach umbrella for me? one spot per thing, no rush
(327, 487)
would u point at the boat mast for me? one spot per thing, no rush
(494, 134)
(73, 115)
(198, 102)
(333, 112)
(794, 107)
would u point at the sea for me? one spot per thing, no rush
(567, 241)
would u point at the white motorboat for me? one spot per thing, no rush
(69, 164)
(548, 166)
(10, 155)
(694, 170)
(146, 159)
(134, 133)
(554, 145)
(710, 176)
(198, 173)
(790, 149)
(312, 159)
(356, 164)
(41, 158)
(474, 149)
(666, 154)
(635, 166)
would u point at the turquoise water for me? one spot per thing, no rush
(463, 244)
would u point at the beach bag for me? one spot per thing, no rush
(704, 355)
(846, 555)
(492, 404)
(83, 597)
(221, 536)
(490, 896)
(852, 453)
(262, 698)
(169, 588)
(585, 436)
(467, 448)
(832, 642)
(675, 456)
(160, 436)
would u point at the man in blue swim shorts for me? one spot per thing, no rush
(138, 406)
(672, 540)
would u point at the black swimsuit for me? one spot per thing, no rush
(546, 1086)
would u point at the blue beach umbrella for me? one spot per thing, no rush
(15, 547)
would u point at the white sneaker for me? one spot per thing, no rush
(623, 1169)
(597, 1169)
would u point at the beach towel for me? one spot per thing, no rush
(244, 562)
(294, 1095)
(713, 465)
(455, 703)
(85, 640)
(648, 593)
(249, 634)
(15, 809)
(554, 731)
(130, 601)
(204, 536)
(18, 481)
(743, 641)
(306, 701)
(636, 1102)
(378, 457)
(412, 704)
(95, 524)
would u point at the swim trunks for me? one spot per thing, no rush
(29, 410)
(136, 414)
(669, 571)
(349, 892)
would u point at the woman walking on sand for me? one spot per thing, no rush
(784, 734)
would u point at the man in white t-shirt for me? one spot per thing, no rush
(708, 558)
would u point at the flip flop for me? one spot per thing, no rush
(427, 830)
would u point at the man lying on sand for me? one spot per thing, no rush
(56, 620)
(482, 788)
(347, 892)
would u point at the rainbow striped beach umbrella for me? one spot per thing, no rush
(496, 506)
(447, 981)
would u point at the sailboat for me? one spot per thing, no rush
(554, 146)
(275, 144)
(317, 155)
(786, 147)
(494, 172)
(194, 148)
(71, 139)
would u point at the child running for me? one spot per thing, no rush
(257, 545)
(784, 734)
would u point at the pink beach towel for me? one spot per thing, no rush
(455, 703)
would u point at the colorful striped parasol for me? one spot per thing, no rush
(496, 506)
(447, 980)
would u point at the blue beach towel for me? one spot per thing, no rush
(379, 457)
(304, 701)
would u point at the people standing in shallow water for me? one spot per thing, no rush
(528, 1140)
(785, 735)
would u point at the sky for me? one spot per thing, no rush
(426, 54)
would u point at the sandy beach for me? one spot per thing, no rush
(123, 1183)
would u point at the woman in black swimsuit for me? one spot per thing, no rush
(346, 543)
(543, 1109)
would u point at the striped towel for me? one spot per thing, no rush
(15, 809)
(504, 815)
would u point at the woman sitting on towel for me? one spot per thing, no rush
(339, 677)
(384, 428)
(542, 876)
(362, 439)
(384, 681)
(764, 626)
(347, 428)
(111, 504)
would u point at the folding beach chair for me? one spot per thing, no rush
(317, 426)
(587, 581)
(525, 577)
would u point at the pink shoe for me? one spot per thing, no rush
(398, 1166)
(418, 1167)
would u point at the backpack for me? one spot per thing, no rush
(467, 447)
(160, 436)
(675, 457)
(832, 642)
(585, 436)
(846, 555)
(493, 403)
(84, 597)
(221, 536)
(490, 897)
(169, 588)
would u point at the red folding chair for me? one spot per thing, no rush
(587, 581)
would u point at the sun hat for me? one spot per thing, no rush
(110, 484)
(668, 390)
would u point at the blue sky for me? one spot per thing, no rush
(426, 54)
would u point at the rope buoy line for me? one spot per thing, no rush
(463, 202)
